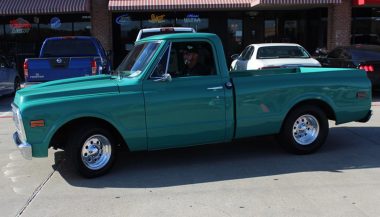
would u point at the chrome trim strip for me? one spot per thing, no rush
(215, 88)
(25, 148)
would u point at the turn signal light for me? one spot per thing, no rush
(93, 67)
(26, 69)
(37, 123)
(367, 68)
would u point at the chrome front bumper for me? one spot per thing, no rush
(25, 148)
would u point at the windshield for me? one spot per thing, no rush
(273, 52)
(69, 48)
(138, 59)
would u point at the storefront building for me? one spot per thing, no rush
(312, 23)
(366, 22)
(238, 23)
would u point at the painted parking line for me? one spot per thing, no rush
(6, 115)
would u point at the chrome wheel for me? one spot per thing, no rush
(96, 152)
(305, 129)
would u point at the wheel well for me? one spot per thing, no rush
(326, 108)
(60, 138)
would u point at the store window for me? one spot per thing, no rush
(154, 20)
(365, 26)
(129, 27)
(270, 30)
(2, 32)
(193, 20)
(55, 26)
(235, 36)
(290, 31)
(83, 26)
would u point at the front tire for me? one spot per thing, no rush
(305, 130)
(91, 151)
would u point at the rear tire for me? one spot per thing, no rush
(91, 150)
(305, 130)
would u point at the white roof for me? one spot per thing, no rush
(274, 44)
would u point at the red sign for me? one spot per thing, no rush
(365, 2)
(20, 23)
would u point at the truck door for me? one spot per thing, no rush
(185, 98)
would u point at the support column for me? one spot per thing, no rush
(339, 24)
(101, 22)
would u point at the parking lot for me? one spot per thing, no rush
(252, 177)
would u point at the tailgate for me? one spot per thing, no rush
(48, 69)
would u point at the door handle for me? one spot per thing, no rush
(215, 88)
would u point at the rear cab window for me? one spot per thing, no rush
(148, 34)
(69, 48)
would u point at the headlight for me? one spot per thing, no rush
(17, 119)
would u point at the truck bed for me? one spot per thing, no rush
(264, 97)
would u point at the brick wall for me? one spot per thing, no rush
(339, 24)
(101, 23)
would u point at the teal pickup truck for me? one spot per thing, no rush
(174, 91)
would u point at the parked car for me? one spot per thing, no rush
(143, 33)
(9, 77)
(272, 55)
(67, 57)
(365, 57)
(161, 99)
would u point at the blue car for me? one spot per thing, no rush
(67, 57)
(9, 78)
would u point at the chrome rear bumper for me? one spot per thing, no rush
(25, 148)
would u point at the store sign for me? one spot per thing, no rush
(20, 26)
(123, 19)
(192, 18)
(157, 18)
(55, 23)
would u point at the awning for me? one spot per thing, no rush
(149, 5)
(295, 2)
(15, 7)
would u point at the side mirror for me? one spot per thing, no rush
(234, 56)
(165, 78)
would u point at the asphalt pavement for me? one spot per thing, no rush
(252, 177)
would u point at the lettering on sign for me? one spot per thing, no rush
(55, 23)
(192, 18)
(20, 26)
(157, 18)
(123, 19)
